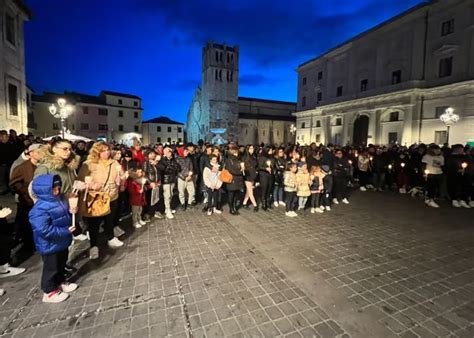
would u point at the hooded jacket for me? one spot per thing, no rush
(185, 164)
(49, 218)
(53, 164)
(168, 169)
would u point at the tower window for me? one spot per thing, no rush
(120, 101)
(445, 67)
(158, 129)
(339, 91)
(228, 57)
(227, 76)
(217, 56)
(396, 76)
(232, 57)
(319, 97)
(303, 101)
(304, 81)
(220, 74)
(120, 113)
(447, 27)
(10, 29)
(320, 75)
(363, 85)
(217, 74)
(169, 129)
(231, 76)
(220, 56)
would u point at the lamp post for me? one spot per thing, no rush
(61, 111)
(449, 118)
(293, 130)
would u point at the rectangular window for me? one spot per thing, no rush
(304, 81)
(319, 97)
(303, 125)
(180, 129)
(135, 114)
(179, 139)
(169, 129)
(396, 76)
(446, 67)
(440, 111)
(120, 113)
(10, 29)
(339, 91)
(169, 139)
(158, 129)
(447, 27)
(84, 126)
(103, 111)
(135, 103)
(136, 128)
(363, 85)
(103, 127)
(392, 138)
(120, 101)
(339, 121)
(393, 116)
(440, 137)
(320, 75)
(318, 138)
(318, 124)
(158, 139)
(120, 127)
(55, 126)
(13, 99)
(303, 101)
(85, 110)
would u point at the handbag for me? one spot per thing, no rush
(226, 176)
(97, 203)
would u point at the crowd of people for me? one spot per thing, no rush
(68, 192)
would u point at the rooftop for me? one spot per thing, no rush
(242, 98)
(130, 96)
(163, 120)
(252, 116)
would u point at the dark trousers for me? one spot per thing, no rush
(109, 222)
(93, 225)
(266, 185)
(23, 227)
(433, 184)
(458, 186)
(212, 198)
(326, 199)
(233, 197)
(290, 200)
(364, 177)
(340, 187)
(123, 206)
(6, 241)
(53, 270)
(315, 200)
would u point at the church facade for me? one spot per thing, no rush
(217, 107)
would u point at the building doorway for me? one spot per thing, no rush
(361, 131)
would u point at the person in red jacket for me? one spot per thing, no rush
(137, 154)
(136, 192)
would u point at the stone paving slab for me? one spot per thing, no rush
(378, 267)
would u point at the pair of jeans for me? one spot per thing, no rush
(212, 198)
(290, 200)
(183, 187)
(266, 183)
(302, 202)
(53, 270)
(378, 180)
(278, 193)
(167, 195)
(315, 200)
(136, 213)
(340, 187)
(433, 184)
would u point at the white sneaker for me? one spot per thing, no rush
(294, 214)
(290, 214)
(432, 204)
(456, 204)
(115, 243)
(7, 271)
(80, 237)
(2, 292)
(276, 204)
(328, 208)
(471, 204)
(173, 211)
(312, 210)
(319, 210)
(56, 296)
(142, 222)
(94, 252)
(402, 191)
(137, 225)
(345, 201)
(169, 215)
(335, 201)
(217, 211)
(69, 287)
(321, 207)
(283, 204)
(204, 201)
(209, 212)
(464, 204)
(118, 231)
(362, 188)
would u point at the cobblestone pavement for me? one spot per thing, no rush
(383, 266)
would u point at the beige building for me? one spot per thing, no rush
(163, 130)
(109, 116)
(13, 105)
(391, 83)
(216, 104)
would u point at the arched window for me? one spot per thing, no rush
(217, 56)
(217, 74)
(220, 56)
(231, 76)
(228, 58)
(220, 74)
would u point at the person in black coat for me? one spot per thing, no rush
(280, 167)
(250, 161)
(237, 169)
(266, 168)
(457, 179)
(168, 170)
(341, 169)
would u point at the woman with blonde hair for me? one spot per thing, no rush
(101, 174)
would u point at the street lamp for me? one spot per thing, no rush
(449, 118)
(61, 112)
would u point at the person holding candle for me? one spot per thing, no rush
(290, 182)
(236, 167)
(280, 167)
(266, 168)
(364, 166)
(457, 180)
(303, 182)
(168, 169)
(316, 188)
(341, 177)
(52, 232)
(151, 173)
(185, 178)
(136, 191)
(433, 163)
(211, 180)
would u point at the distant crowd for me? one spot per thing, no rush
(68, 192)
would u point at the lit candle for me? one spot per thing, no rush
(350, 162)
(427, 172)
(269, 163)
(73, 205)
(389, 167)
(88, 181)
(402, 164)
(371, 158)
(463, 166)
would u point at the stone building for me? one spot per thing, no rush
(109, 116)
(391, 83)
(163, 130)
(216, 104)
(13, 92)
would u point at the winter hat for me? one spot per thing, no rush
(301, 164)
(57, 182)
(128, 153)
(325, 168)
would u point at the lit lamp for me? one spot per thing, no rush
(402, 164)
(61, 111)
(463, 166)
(427, 172)
(449, 118)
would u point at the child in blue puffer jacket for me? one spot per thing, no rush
(52, 233)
